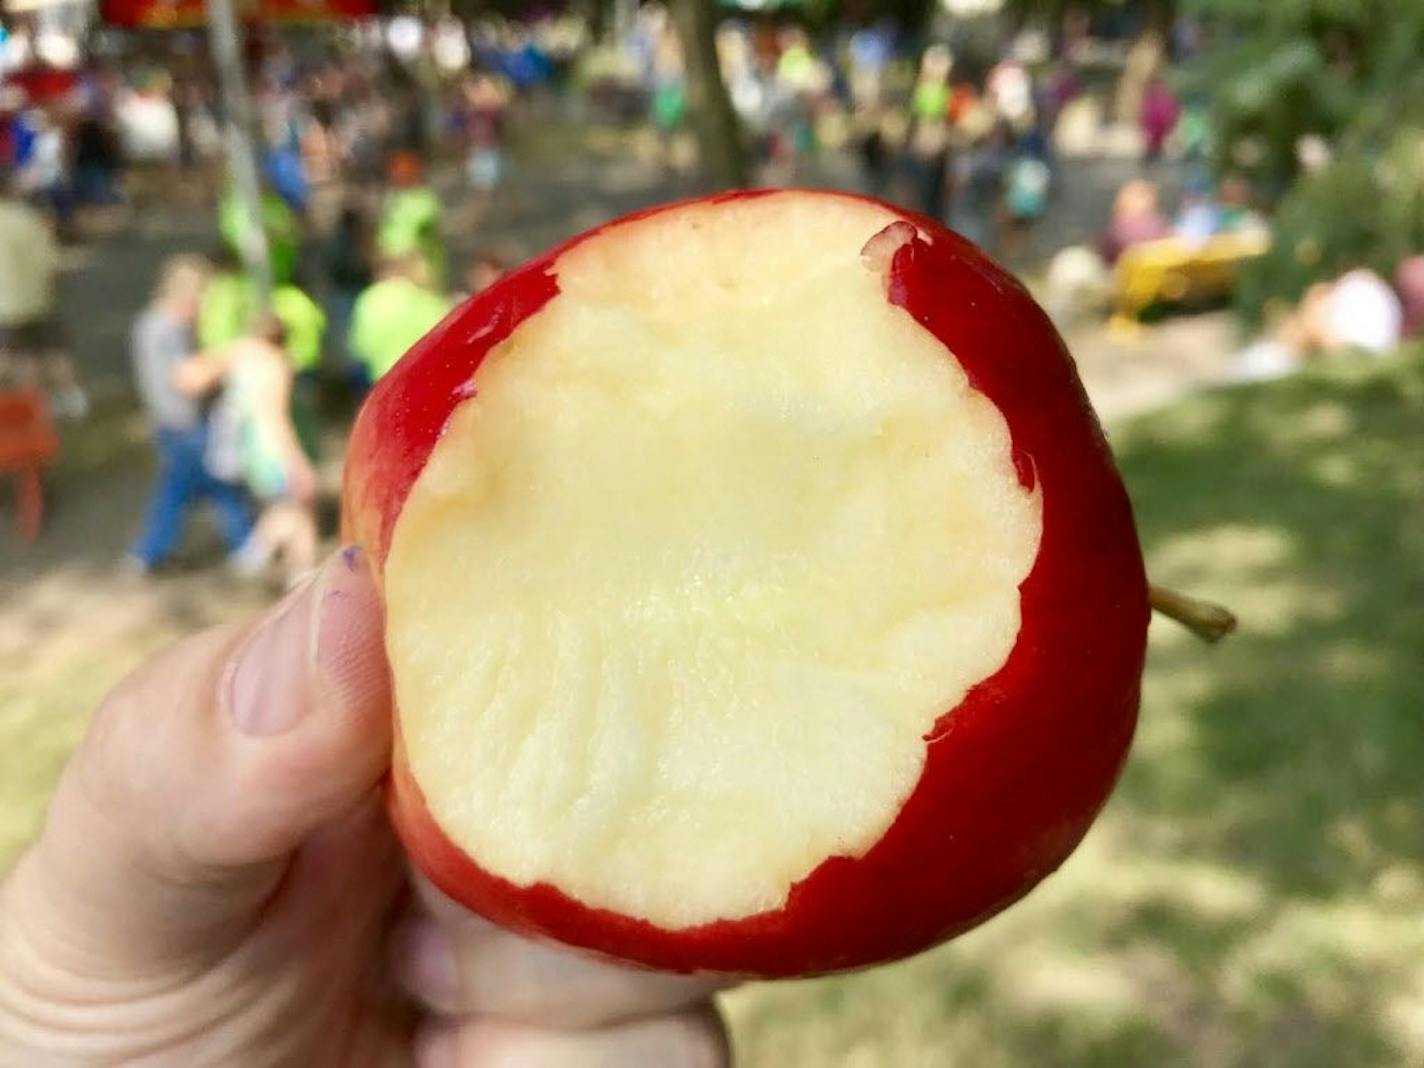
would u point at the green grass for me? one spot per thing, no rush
(1253, 895)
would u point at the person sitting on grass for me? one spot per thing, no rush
(175, 386)
(393, 314)
(1358, 311)
(1136, 220)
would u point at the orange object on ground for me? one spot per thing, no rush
(27, 443)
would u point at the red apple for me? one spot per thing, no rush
(760, 594)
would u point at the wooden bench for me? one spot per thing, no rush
(27, 443)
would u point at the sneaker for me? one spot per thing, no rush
(135, 566)
(249, 560)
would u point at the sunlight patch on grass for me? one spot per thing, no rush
(1404, 1014)
(1278, 608)
(1095, 985)
(1213, 892)
(1399, 886)
(1337, 470)
(1254, 570)
(1323, 950)
(1232, 552)
(1354, 660)
(1178, 423)
(1327, 420)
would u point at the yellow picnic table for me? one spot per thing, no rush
(1177, 270)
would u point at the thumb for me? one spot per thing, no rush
(203, 771)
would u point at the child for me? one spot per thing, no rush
(270, 455)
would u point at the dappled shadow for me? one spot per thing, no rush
(1252, 895)
(1303, 753)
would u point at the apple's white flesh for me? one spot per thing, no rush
(717, 538)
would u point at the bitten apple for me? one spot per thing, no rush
(760, 593)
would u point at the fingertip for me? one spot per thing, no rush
(315, 738)
(349, 645)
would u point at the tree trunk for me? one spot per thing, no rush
(239, 132)
(719, 136)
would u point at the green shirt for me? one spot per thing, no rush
(409, 224)
(283, 231)
(930, 101)
(390, 317)
(226, 311)
(228, 307)
(305, 325)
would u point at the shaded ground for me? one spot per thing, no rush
(1250, 898)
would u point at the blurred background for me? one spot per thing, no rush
(1221, 203)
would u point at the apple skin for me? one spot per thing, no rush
(1014, 775)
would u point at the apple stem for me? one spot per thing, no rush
(1209, 622)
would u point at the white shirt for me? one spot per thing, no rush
(1364, 312)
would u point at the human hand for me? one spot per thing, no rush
(216, 885)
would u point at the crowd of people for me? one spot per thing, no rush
(966, 139)
(231, 386)
(355, 256)
(957, 129)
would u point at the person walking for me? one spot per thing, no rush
(410, 221)
(271, 459)
(174, 385)
(393, 314)
(347, 259)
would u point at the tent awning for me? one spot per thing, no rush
(179, 14)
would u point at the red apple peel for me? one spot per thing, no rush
(1012, 774)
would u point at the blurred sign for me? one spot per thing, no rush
(167, 14)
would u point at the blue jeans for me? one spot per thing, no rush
(182, 481)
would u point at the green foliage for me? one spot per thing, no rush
(1364, 209)
(1348, 72)
(1278, 71)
